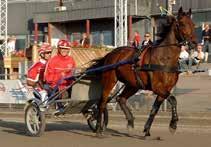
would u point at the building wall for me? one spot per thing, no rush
(22, 15)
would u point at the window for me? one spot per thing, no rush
(96, 38)
(107, 37)
(75, 37)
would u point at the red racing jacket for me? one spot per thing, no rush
(57, 68)
(36, 71)
(137, 39)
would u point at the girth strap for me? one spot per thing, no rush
(139, 82)
(157, 67)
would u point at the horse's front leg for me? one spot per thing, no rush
(155, 108)
(173, 123)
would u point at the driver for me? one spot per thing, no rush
(58, 67)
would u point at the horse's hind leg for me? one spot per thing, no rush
(108, 84)
(122, 99)
(156, 106)
(173, 123)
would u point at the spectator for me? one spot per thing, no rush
(147, 40)
(136, 39)
(206, 39)
(183, 58)
(197, 56)
(57, 69)
(85, 41)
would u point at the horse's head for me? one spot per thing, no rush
(186, 28)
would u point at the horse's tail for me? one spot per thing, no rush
(97, 63)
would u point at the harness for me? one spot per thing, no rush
(139, 56)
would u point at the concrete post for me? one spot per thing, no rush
(35, 33)
(87, 27)
(130, 28)
(49, 33)
(34, 53)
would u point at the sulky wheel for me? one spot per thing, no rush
(34, 120)
(92, 119)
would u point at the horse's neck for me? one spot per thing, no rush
(170, 38)
(169, 48)
(171, 42)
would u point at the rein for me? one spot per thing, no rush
(174, 44)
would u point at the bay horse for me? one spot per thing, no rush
(156, 69)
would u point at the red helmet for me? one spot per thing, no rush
(64, 44)
(45, 47)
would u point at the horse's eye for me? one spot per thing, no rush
(182, 25)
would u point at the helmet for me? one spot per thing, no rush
(64, 44)
(45, 47)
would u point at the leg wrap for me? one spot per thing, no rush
(155, 109)
(172, 100)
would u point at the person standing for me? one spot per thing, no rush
(147, 40)
(59, 67)
(206, 39)
(85, 41)
(136, 39)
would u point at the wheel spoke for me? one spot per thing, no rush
(35, 127)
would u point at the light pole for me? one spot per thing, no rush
(120, 23)
(3, 26)
(169, 5)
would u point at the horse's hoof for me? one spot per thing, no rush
(99, 135)
(130, 124)
(146, 133)
(130, 130)
(147, 137)
(173, 127)
(172, 130)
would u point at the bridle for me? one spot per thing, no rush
(182, 39)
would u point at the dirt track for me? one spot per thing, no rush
(76, 133)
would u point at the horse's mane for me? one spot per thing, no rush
(165, 27)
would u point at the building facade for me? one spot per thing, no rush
(94, 17)
(40, 20)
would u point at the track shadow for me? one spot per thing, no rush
(182, 91)
(19, 127)
(13, 127)
(116, 133)
(72, 127)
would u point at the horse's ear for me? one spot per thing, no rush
(190, 12)
(180, 12)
